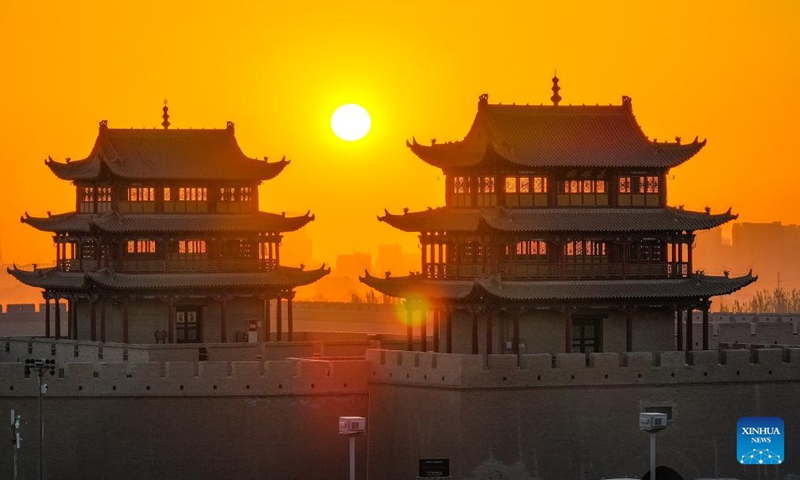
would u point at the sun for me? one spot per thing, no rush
(350, 122)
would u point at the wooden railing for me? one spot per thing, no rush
(572, 271)
(171, 265)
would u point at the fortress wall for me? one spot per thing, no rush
(202, 437)
(600, 369)
(742, 329)
(559, 417)
(214, 378)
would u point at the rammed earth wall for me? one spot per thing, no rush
(572, 417)
(561, 417)
(182, 419)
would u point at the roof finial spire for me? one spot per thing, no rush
(165, 123)
(556, 97)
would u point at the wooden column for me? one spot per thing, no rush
(267, 308)
(515, 340)
(58, 317)
(92, 320)
(72, 319)
(223, 320)
(424, 251)
(171, 319)
(689, 330)
(679, 324)
(436, 329)
(689, 244)
(409, 327)
(706, 307)
(449, 331)
(125, 336)
(489, 339)
(289, 318)
(674, 259)
(679, 266)
(474, 330)
(423, 329)
(568, 330)
(628, 329)
(624, 259)
(457, 258)
(103, 320)
(47, 316)
(279, 319)
(440, 266)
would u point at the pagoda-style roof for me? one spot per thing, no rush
(416, 286)
(556, 136)
(50, 278)
(167, 154)
(282, 278)
(447, 219)
(114, 222)
(696, 286)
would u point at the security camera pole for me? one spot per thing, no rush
(40, 366)
(352, 426)
(652, 423)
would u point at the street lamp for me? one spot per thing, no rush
(40, 366)
(16, 438)
(352, 426)
(652, 423)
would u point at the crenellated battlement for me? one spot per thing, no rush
(17, 349)
(781, 363)
(207, 379)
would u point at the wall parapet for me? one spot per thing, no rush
(576, 369)
(183, 378)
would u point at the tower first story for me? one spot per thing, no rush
(487, 315)
(181, 308)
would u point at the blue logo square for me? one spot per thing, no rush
(759, 441)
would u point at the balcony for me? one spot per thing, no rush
(549, 271)
(152, 265)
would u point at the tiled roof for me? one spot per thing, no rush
(694, 287)
(284, 277)
(557, 136)
(158, 223)
(565, 219)
(698, 286)
(167, 154)
(49, 278)
(418, 287)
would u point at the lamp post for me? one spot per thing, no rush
(352, 426)
(652, 423)
(40, 366)
(16, 438)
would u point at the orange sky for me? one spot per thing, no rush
(725, 70)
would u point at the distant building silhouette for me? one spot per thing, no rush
(390, 259)
(768, 248)
(352, 265)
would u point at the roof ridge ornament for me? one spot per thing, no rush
(230, 128)
(626, 102)
(165, 116)
(483, 100)
(556, 97)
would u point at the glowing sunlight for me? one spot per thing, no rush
(350, 122)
